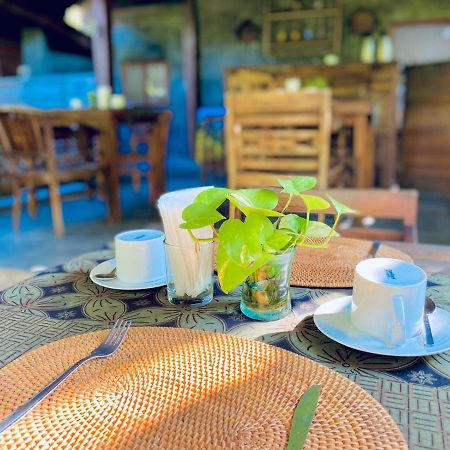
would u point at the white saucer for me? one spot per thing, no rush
(333, 319)
(115, 283)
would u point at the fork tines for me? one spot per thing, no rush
(117, 333)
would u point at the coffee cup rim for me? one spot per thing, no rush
(160, 236)
(416, 267)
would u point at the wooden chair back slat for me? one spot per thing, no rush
(274, 134)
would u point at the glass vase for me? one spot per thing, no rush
(266, 293)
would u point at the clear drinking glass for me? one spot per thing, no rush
(190, 273)
(266, 294)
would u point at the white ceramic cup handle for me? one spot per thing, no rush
(395, 326)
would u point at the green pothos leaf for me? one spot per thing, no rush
(279, 240)
(213, 197)
(340, 207)
(297, 185)
(240, 246)
(315, 203)
(319, 230)
(232, 274)
(199, 215)
(259, 201)
(293, 223)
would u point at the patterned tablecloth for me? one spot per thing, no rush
(64, 301)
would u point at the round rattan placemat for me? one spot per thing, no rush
(168, 388)
(334, 266)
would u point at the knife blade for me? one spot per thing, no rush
(303, 417)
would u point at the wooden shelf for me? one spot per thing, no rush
(304, 14)
(305, 48)
(329, 20)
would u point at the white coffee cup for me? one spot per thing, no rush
(388, 299)
(140, 256)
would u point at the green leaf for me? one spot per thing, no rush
(213, 197)
(199, 215)
(254, 198)
(340, 207)
(259, 201)
(232, 274)
(303, 417)
(247, 210)
(297, 185)
(294, 223)
(315, 203)
(279, 240)
(319, 230)
(258, 227)
(239, 245)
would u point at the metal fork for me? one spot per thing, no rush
(106, 348)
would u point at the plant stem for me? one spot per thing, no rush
(288, 202)
(196, 239)
(333, 228)
(308, 210)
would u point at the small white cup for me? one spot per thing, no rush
(388, 299)
(103, 97)
(140, 256)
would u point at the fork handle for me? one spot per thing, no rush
(41, 395)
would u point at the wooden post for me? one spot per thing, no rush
(190, 63)
(101, 41)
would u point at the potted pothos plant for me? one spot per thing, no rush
(258, 249)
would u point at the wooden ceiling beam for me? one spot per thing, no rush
(47, 23)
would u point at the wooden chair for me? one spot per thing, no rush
(31, 160)
(401, 206)
(272, 134)
(152, 164)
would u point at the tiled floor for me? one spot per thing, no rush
(87, 230)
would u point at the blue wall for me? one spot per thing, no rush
(46, 90)
(40, 59)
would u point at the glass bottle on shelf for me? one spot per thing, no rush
(385, 48)
(308, 31)
(281, 34)
(368, 47)
(295, 33)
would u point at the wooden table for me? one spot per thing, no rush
(63, 302)
(106, 123)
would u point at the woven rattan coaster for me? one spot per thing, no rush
(334, 267)
(169, 388)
